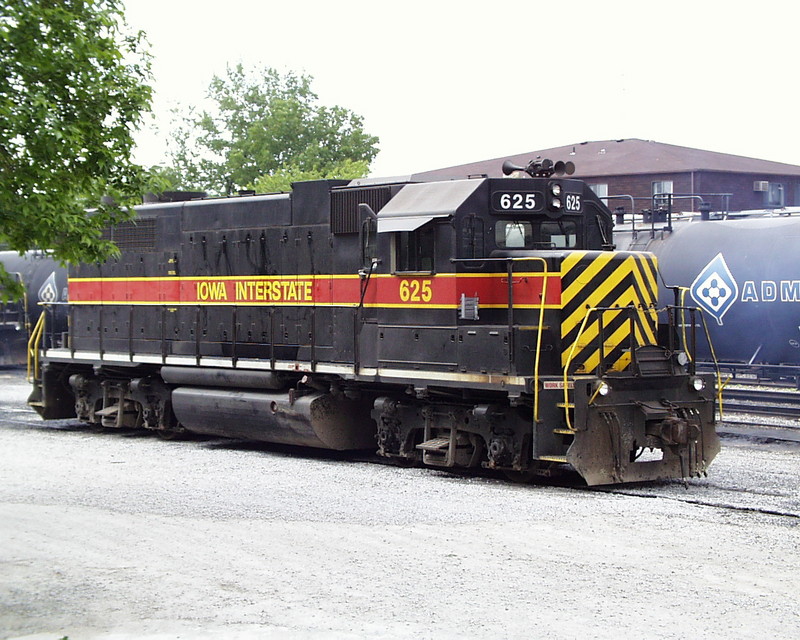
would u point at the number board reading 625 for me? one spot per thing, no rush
(520, 201)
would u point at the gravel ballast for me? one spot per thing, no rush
(122, 535)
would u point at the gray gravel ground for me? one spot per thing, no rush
(120, 535)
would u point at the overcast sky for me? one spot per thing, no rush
(444, 83)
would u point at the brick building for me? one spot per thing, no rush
(642, 169)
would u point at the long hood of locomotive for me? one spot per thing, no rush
(744, 275)
(589, 291)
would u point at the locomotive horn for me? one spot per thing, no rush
(562, 167)
(509, 168)
(540, 168)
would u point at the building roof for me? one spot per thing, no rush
(629, 156)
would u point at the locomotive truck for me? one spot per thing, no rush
(479, 323)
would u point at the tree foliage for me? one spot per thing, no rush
(73, 90)
(282, 179)
(262, 125)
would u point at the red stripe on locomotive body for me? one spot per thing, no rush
(435, 291)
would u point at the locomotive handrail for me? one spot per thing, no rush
(571, 354)
(540, 329)
(682, 291)
(589, 312)
(682, 309)
(669, 197)
(34, 342)
(720, 384)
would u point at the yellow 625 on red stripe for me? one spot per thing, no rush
(415, 290)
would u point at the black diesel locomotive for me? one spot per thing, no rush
(466, 323)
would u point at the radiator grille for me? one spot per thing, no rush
(136, 235)
(344, 206)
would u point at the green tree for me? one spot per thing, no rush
(282, 179)
(262, 125)
(73, 90)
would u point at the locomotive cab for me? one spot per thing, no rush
(543, 302)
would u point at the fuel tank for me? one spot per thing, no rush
(318, 420)
(743, 273)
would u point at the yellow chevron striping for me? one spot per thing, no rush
(614, 340)
(592, 332)
(623, 362)
(593, 267)
(644, 278)
(590, 289)
(649, 286)
(620, 335)
(650, 267)
(640, 339)
(584, 283)
(628, 266)
(598, 297)
(574, 258)
(649, 323)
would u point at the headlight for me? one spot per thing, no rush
(555, 203)
(698, 384)
(555, 189)
(603, 389)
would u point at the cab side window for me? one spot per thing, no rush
(414, 250)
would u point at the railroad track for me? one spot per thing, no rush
(769, 414)
(760, 402)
